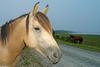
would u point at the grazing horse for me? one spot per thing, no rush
(31, 30)
(76, 39)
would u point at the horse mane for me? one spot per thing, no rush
(5, 28)
(4, 32)
(44, 21)
(12, 20)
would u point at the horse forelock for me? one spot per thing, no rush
(44, 21)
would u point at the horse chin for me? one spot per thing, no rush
(44, 60)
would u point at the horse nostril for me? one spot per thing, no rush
(55, 55)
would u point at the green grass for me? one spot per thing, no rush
(83, 46)
(92, 40)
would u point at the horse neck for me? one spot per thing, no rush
(17, 31)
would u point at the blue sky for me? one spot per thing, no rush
(73, 15)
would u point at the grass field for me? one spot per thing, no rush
(82, 46)
(90, 42)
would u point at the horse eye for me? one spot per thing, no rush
(37, 28)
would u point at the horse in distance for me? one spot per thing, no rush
(76, 39)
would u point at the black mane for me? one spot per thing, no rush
(4, 32)
(12, 20)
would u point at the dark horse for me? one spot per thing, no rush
(76, 39)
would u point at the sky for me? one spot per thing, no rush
(81, 16)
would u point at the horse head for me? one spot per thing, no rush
(39, 35)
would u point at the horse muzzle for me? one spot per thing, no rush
(55, 56)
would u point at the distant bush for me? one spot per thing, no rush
(61, 37)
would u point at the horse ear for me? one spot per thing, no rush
(45, 10)
(35, 9)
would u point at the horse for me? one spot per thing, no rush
(76, 39)
(32, 30)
